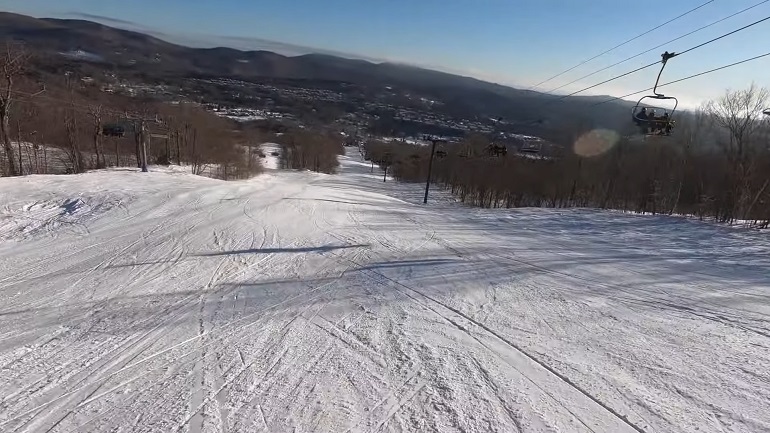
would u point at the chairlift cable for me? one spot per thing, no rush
(608, 80)
(621, 44)
(659, 46)
(723, 36)
(685, 78)
(655, 63)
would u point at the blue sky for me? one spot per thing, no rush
(511, 42)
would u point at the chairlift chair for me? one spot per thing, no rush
(663, 125)
(113, 130)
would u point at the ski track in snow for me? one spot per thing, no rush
(339, 303)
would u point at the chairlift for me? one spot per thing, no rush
(466, 151)
(113, 130)
(650, 124)
(497, 150)
(533, 148)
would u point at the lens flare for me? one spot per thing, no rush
(596, 142)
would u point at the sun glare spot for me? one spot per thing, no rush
(596, 142)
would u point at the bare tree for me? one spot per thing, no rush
(72, 129)
(95, 111)
(311, 150)
(739, 112)
(689, 134)
(12, 64)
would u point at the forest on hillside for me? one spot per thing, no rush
(715, 165)
(54, 124)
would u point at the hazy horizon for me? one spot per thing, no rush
(484, 47)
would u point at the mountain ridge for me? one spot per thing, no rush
(149, 55)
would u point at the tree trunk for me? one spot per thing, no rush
(99, 161)
(178, 150)
(138, 142)
(37, 162)
(194, 156)
(96, 115)
(756, 198)
(75, 155)
(18, 145)
(5, 132)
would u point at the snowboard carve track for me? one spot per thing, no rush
(513, 345)
(162, 352)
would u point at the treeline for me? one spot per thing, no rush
(57, 124)
(304, 149)
(715, 166)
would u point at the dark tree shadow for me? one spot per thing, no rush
(329, 200)
(321, 249)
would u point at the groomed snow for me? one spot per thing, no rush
(272, 152)
(338, 303)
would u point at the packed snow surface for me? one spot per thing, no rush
(271, 159)
(300, 302)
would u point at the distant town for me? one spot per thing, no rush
(388, 114)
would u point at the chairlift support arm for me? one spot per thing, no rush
(666, 56)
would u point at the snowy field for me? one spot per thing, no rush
(301, 302)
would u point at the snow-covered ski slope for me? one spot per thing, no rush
(299, 302)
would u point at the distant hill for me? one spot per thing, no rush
(132, 51)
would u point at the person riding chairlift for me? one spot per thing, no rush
(651, 122)
(661, 125)
(642, 114)
(643, 120)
